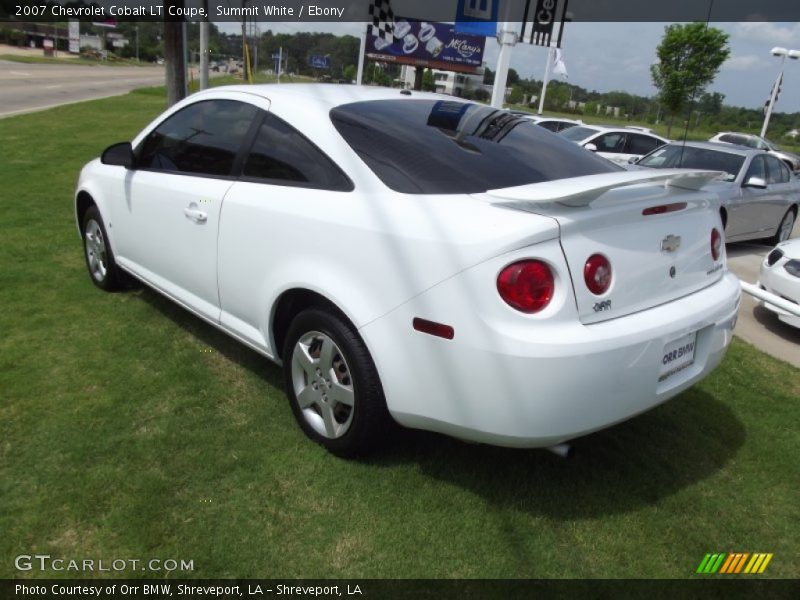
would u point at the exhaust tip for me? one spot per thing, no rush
(563, 450)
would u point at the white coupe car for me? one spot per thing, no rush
(413, 257)
(780, 275)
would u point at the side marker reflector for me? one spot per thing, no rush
(433, 328)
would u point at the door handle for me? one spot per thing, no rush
(195, 215)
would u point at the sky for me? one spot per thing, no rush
(617, 56)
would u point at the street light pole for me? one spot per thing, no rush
(783, 53)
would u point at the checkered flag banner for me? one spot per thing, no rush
(382, 20)
(779, 83)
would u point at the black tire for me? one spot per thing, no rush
(103, 271)
(363, 424)
(778, 237)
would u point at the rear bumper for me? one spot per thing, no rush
(546, 381)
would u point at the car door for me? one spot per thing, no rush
(639, 144)
(166, 228)
(288, 196)
(780, 196)
(745, 218)
(611, 145)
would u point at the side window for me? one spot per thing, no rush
(610, 142)
(777, 172)
(731, 139)
(757, 169)
(203, 138)
(282, 154)
(641, 144)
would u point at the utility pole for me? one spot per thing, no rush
(361, 51)
(204, 50)
(507, 38)
(174, 57)
(546, 79)
(203, 55)
(783, 53)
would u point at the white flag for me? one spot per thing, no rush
(559, 67)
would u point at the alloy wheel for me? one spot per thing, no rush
(323, 385)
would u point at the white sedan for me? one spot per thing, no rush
(414, 257)
(621, 145)
(780, 275)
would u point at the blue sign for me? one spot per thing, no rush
(434, 45)
(319, 62)
(477, 17)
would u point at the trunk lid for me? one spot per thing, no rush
(655, 258)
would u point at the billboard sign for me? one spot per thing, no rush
(319, 62)
(429, 45)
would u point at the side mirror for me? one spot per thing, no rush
(755, 182)
(591, 147)
(120, 155)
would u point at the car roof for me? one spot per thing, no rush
(619, 129)
(720, 147)
(327, 94)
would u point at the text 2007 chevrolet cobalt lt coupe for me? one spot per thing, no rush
(410, 257)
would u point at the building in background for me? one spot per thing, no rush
(451, 83)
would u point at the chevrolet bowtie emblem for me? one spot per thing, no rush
(670, 243)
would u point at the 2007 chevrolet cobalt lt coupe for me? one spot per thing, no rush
(413, 257)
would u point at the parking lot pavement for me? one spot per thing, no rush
(756, 324)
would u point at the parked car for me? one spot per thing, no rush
(780, 275)
(436, 262)
(618, 144)
(759, 196)
(554, 124)
(753, 141)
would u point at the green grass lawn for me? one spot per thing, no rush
(130, 429)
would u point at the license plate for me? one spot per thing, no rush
(677, 355)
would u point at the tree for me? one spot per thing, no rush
(689, 58)
(710, 104)
(515, 97)
(513, 77)
(350, 72)
(428, 81)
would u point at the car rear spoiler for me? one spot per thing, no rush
(582, 191)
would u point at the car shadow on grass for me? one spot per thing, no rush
(212, 337)
(634, 464)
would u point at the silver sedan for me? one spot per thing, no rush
(760, 197)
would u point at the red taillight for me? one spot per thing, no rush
(716, 244)
(597, 274)
(526, 285)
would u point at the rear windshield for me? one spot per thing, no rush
(687, 157)
(446, 147)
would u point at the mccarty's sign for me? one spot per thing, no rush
(429, 45)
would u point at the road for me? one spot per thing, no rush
(756, 324)
(31, 87)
